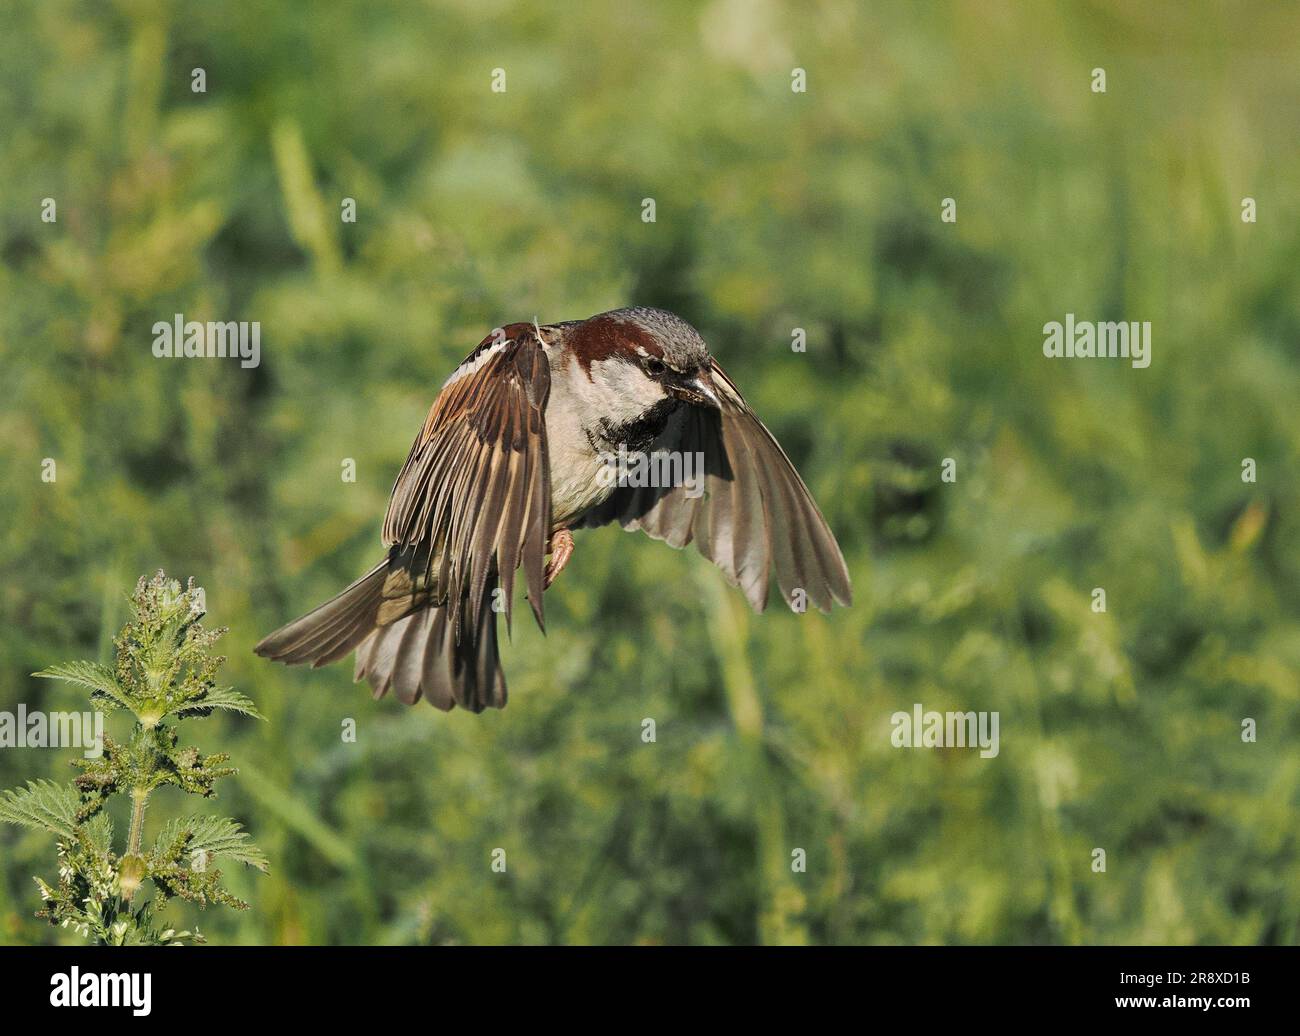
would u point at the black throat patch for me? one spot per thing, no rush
(640, 433)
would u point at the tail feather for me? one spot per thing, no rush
(320, 635)
(417, 655)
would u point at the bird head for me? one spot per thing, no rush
(643, 362)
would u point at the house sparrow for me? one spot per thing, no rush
(514, 456)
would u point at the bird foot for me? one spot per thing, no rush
(561, 549)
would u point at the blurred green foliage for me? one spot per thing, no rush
(775, 210)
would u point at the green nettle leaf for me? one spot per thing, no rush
(107, 692)
(97, 834)
(218, 836)
(163, 667)
(225, 698)
(44, 805)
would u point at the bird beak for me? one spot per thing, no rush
(697, 391)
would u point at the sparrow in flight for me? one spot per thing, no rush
(515, 455)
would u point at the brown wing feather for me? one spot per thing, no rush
(470, 505)
(755, 515)
(473, 499)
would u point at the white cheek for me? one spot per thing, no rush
(624, 393)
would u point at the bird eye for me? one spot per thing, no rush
(654, 367)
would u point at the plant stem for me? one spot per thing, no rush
(139, 799)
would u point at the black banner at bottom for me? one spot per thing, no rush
(217, 985)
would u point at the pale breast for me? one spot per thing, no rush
(579, 475)
(591, 413)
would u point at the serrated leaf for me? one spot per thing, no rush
(98, 834)
(98, 677)
(225, 698)
(43, 805)
(219, 836)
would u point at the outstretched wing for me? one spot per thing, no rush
(473, 499)
(754, 514)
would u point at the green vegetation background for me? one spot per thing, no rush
(775, 210)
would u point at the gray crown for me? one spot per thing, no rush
(683, 347)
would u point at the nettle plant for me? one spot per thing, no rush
(164, 670)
